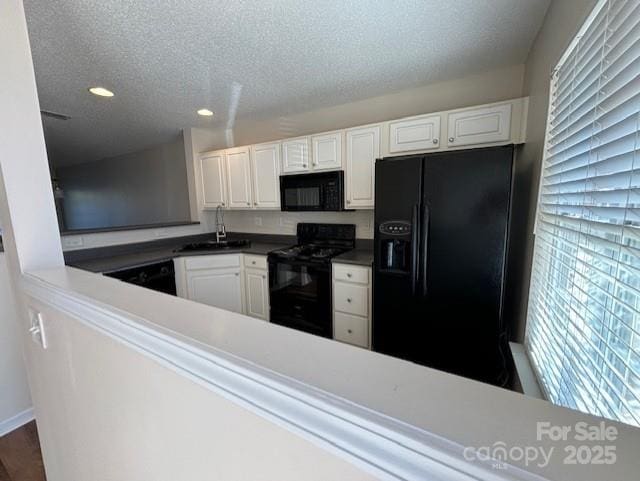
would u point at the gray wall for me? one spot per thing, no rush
(564, 18)
(140, 188)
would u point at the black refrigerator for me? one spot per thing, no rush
(441, 232)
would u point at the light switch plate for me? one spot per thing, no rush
(36, 329)
(74, 241)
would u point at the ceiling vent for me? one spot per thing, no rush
(54, 115)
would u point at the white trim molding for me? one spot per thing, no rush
(17, 421)
(383, 446)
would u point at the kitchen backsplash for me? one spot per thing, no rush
(276, 222)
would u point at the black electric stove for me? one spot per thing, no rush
(300, 277)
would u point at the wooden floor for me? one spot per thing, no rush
(20, 458)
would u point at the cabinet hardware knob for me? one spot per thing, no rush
(304, 165)
(253, 262)
(315, 163)
(348, 274)
(264, 277)
(451, 139)
(255, 203)
(435, 141)
(222, 203)
(349, 300)
(348, 202)
(237, 274)
(349, 331)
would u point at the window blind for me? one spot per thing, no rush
(583, 320)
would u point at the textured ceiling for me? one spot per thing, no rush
(165, 59)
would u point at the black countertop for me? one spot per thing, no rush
(360, 257)
(113, 258)
(125, 261)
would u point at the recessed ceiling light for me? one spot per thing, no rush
(101, 91)
(205, 112)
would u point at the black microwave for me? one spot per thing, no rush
(312, 192)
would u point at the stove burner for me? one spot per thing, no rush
(310, 251)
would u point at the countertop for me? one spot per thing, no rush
(125, 261)
(361, 257)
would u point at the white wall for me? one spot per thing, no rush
(108, 412)
(481, 88)
(14, 388)
(564, 18)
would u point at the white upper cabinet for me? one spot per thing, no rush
(326, 151)
(416, 133)
(239, 178)
(479, 126)
(265, 171)
(363, 148)
(295, 155)
(213, 179)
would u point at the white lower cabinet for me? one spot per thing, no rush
(234, 282)
(217, 287)
(352, 304)
(256, 278)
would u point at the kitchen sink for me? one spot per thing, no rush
(213, 245)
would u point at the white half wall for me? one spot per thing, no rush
(15, 399)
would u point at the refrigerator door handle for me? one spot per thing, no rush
(415, 230)
(424, 249)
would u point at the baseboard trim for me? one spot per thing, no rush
(16, 421)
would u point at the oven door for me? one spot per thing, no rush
(300, 296)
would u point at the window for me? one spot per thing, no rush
(583, 329)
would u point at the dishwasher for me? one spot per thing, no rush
(159, 276)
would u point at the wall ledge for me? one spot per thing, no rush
(381, 445)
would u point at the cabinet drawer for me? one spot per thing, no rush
(212, 262)
(351, 298)
(351, 273)
(255, 262)
(351, 329)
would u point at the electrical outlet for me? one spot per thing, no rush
(73, 241)
(257, 221)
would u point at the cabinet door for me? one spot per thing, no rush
(212, 176)
(217, 287)
(295, 155)
(420, 133)
(239, 178)
(257, 290)
(265, 170)
(479, 126)
(363, 148)
(326, 151)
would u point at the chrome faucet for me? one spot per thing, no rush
(221, 231)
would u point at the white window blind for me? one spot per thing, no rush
(583, 329)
